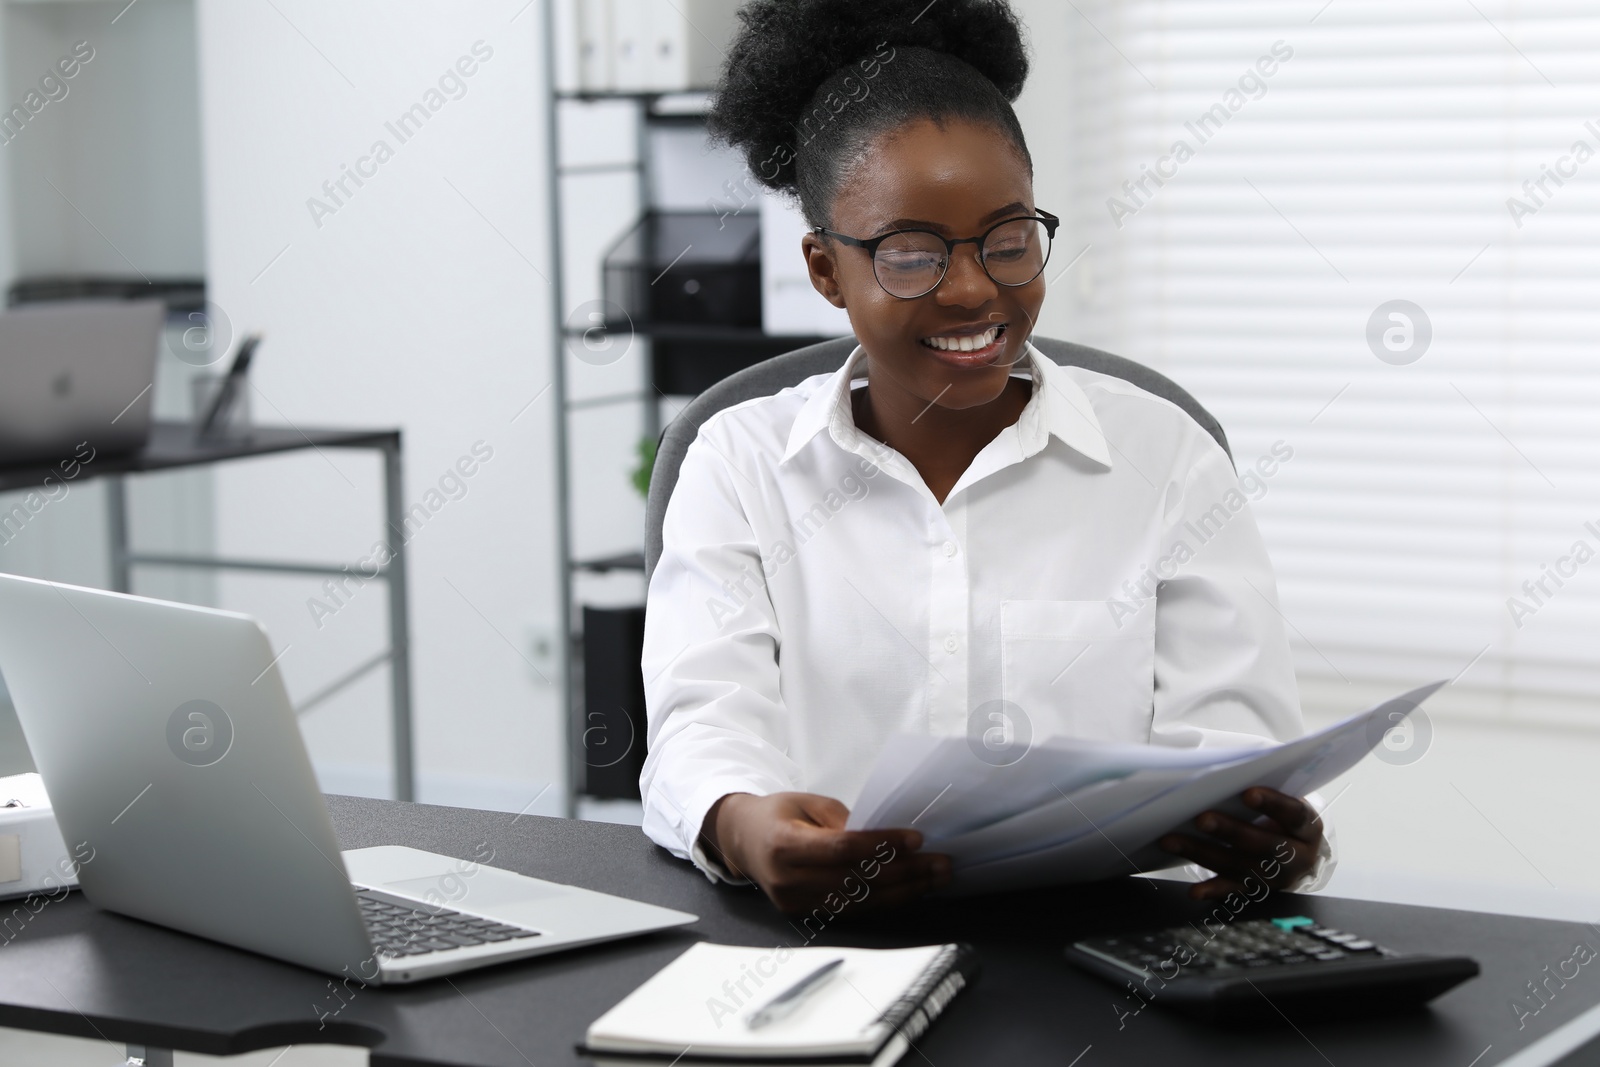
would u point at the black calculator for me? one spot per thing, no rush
(1262, 969)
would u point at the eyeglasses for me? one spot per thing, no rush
(912, 263)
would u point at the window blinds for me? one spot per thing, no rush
(1371, 231)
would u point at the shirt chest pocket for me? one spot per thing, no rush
(1080, 668)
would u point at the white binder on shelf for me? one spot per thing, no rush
(631, 32)
(595, 49)
(688, 39)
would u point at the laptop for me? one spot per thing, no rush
(77, 371)
(178, 776)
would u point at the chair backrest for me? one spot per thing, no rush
(775, 374)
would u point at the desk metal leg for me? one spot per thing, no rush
(145, 1056)
(124, 559)
(117, 524)
(399, 627)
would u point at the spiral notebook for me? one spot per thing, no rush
(693, 1010)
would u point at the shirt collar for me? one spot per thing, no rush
(1058, 406)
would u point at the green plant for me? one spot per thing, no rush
(646, 450)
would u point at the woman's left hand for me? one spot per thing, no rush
(1278, 852)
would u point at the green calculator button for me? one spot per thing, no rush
(1293, 923)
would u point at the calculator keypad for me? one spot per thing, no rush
(1255, 943)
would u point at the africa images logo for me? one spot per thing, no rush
(999, 733)
(199, 733)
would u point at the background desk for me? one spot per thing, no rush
(75, 970)
(173, 446)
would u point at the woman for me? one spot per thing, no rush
(971, 539)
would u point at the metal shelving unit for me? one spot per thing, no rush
(718, 351)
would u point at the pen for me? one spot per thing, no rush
(790, 998)
(229, 388)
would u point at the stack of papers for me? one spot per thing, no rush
(1074, 811)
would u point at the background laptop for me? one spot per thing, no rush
(75, 371)
(174, 760)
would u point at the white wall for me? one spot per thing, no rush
(418, 303)
(121, 145)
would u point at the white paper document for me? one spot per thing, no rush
(1075, 811)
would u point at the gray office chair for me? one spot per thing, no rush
(791, 368)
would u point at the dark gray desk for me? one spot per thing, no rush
(75, 970)
(174, 446)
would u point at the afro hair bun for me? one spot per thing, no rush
(785, 50)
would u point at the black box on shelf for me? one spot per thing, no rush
(687, 267)
(686, 360)
(610, 737)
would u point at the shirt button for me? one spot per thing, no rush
(950, 643)
(949, 548)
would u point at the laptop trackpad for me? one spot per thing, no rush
(486, 890)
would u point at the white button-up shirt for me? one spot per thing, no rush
(1096, 569)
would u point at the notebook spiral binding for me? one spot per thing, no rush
(916, 1010)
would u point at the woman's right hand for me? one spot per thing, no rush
(795, 847)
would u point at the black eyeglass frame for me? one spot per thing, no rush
(871, 245)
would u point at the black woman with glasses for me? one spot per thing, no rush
(953, 535)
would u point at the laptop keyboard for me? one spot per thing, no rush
(400, 929)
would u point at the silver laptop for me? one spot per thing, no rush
(177, 773)
(75, 371)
